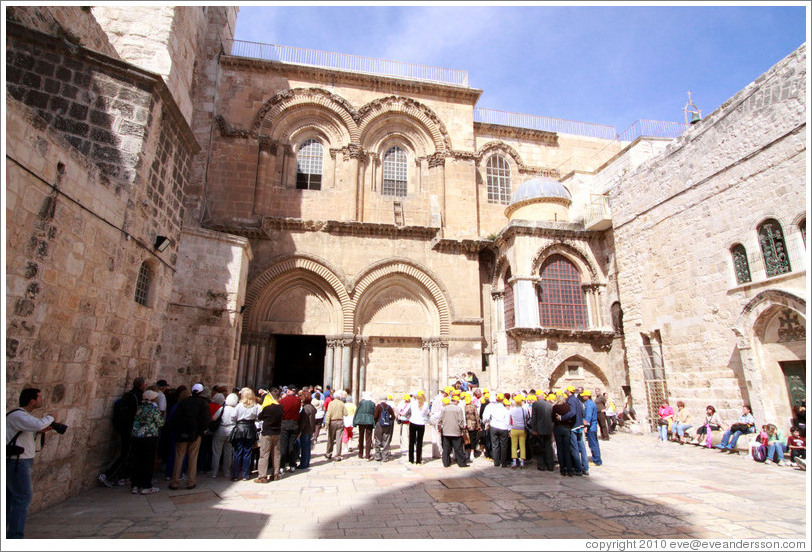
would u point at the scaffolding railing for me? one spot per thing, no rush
(597, 208)
(536, 122)
(345, 62)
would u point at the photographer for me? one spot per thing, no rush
(21, 428)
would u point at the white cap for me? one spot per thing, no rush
(197, 388)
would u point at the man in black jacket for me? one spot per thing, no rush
(541, 422)
(123, 417)
(191, 419)
(271, 418)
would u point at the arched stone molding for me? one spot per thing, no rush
(408, 308)
(582, 260)
(589, 365)
(429, 282)
(760, 375)
(497, 146)
(422, 116)
(399, 132)
(796, 220)
(317, 98)
(312, 271)
(499, 271)
(288, 123)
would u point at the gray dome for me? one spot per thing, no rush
(540, 187)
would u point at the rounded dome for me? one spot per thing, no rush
(540, 187)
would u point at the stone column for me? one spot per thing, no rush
(755, 385)
(355, 154)
(346, 362)
(267, 152)
(329, 359)
(525, 301)
(262, 362)
(438, 161)
(251, 370)
(241, 364)
(362, 363)
(427, 384)
(442, 358)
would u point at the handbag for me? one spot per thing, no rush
(466, 439)
(214, 425)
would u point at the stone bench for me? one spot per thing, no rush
(742, 445)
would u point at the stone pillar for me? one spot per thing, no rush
(753, 379)
(329, 359)
(525, 301)
(346, 362)
(267, 153)
(251, 369)
(428, 383)
(442, 358)
(362, 363)
(243, 361)
(356, 155)
(438, 161)
(262, 363)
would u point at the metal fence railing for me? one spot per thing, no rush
(652, 129)
(598, 208)
(345, 62)
(535, 122)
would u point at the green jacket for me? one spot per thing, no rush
(364, 414)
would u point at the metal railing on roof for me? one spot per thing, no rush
(535, 122)
(345, 62)
(652, 129)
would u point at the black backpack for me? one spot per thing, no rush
(386, 416)
(12, 448)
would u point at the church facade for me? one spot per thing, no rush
(183, 207)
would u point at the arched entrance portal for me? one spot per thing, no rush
(578, 372)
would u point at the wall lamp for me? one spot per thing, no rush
(161, 243)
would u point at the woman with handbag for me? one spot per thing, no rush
(220, 446)
(145, 431)
(244, 435)
(711, 423)
(666, 413)
(473, 425)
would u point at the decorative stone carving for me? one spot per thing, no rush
(268, 144)
(230, 131)
(423, 113)
(436, 160)
(790, 328)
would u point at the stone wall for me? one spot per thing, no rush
(204, 313)
(675, 219)
(76, 26)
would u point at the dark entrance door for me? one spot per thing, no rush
(299, 360)
(795, 376)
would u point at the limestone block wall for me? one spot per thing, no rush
(161, 39)
(72, 326)
(394, 365)
(203, 315)
(74, 24)
(676, 217)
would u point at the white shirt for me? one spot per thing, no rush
(418, 415)
(21, 420)
(161, 401)
(497, 415)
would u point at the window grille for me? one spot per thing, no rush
(802, 228)
(771, 240)
(740, 264)
(394, 172)
(309, 162)
(561, 300)
(142, 284)
(497, 174)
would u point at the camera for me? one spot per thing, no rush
(59, 428)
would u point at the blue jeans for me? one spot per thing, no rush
(562, 436)
(580, 461)
(305, 446)
(592, 439)
(663, 431)
(18, 495)
(241, 462)
(732, 443)
(679, 429)
(776, 447)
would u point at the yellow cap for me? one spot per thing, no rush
(447, 389)
(421, 394)
(586, 393)
(551, 397)
(500, 396)
(518, 398)
(486, 391)
(467, 400)
(407, 397)
(506, 402)
(445, 400)
(560, 393)
(532, 398)
(389, 397)
(570, 388)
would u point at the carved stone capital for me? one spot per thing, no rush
(498, 295)
(268, 145)
(436, 160)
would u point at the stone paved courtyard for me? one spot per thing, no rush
(644, 489)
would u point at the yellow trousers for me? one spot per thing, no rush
(518, 439)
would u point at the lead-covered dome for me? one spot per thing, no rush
(540, 198)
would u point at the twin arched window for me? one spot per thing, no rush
(561, 299)
(309, 162)
(740, 265)
(497, 176)
(773, 251)
(395, 172)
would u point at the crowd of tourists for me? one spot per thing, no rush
(263, 435)
(770, 444)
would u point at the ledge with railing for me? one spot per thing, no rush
(597, 215)
(345, 62)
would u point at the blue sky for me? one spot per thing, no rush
(609, 65)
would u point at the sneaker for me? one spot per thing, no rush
(122, 482)
(801, 463)
(103, 480)
(151, 490)
(134, 490)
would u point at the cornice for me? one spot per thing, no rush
(335, 77)
(539, 136)
(547, 230)
(467, 246)
(601, 338)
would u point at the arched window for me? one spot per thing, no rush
(561, 301)
(510, 313)
(394, 172)
(802, 228)
(497, 174)
(309, 163)
(773, 248)
(740, 265)
(142, 284)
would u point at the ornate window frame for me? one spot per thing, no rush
(741, 264)
(498, 179)
(309, 159)
(395, 168)
(143, 284)
(567, 308)
(773, 247)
